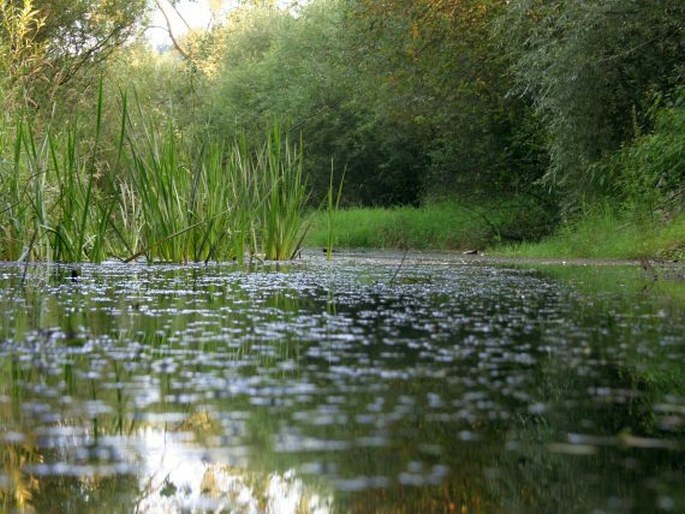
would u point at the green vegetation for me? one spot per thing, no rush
(332, 208)
(644, 215)
(506, 121)
(604, 235)
(282, 191)
(51, 205)
(171, 201)
(446, 226)
(441, 225)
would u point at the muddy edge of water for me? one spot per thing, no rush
(447, 257)
(664, 269)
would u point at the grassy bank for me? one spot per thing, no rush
(605, 235)
(513, 228)
(438, 226)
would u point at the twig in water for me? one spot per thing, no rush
(397, 271)
(27, 257)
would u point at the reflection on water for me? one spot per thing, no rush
(369, 384)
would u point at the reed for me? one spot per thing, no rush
(280, 165)
(160, 181)
(15, 188)
(210, 199)
(214, 202)
(80, 210)
(52, 208)
(246, 197)
(332, 207)
(176, 201)
(166, 197)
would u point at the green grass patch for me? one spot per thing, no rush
(601, 234)
(606, 235)
(436, 226)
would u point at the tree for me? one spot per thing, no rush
(408, 97)
(434, 72)
(81, 33)
(591, 67)
(22, 55)
(61, 39)
(268, 63)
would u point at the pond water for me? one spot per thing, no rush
(371, 383)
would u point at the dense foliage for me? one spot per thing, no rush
(406, 96)
(564, 105)
(593, 70)
(51, 50)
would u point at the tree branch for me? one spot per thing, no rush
(174, 41)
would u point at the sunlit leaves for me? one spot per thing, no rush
(22, 54)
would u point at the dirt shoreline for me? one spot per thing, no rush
(485, 258)
(661, 269)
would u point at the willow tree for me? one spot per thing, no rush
(592, 69)
(48, 44)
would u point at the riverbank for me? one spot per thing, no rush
(437, 226)
(511, 229)
(608, 237)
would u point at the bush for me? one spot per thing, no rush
(652, 169)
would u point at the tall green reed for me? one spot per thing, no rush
(81, 210)
(160, 180)
(332, 207)
(51, 207)
(280, 166)
(166, 196)
(209, 199)
(246, 197)
(176, 196)
(15, 188)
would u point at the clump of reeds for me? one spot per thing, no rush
(166, 198)
(51, 208)
(284, 191)
(215, 200)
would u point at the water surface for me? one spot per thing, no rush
(372, 383)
